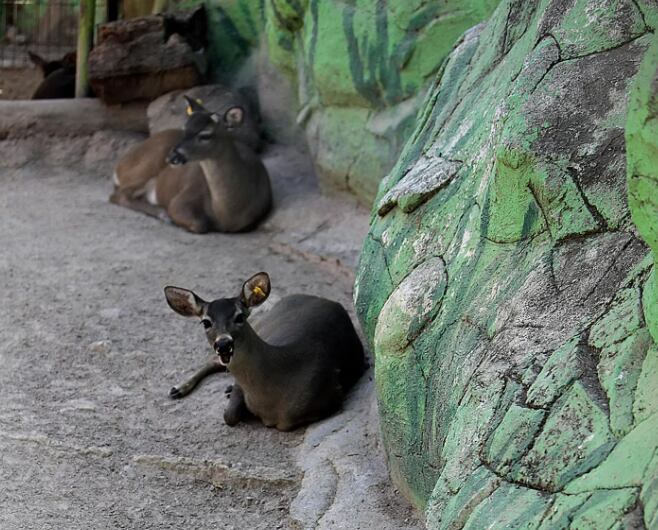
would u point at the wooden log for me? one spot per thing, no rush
(159, 6)
(146, 57)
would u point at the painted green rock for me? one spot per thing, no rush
(506, 287)
(642, 146)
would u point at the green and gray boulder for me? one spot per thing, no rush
(507, 294)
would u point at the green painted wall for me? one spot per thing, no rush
(642, 147)
(360, 69)
(503, 286)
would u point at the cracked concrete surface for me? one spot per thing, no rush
(89, 350)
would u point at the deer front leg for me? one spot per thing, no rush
(187, 214)
(236, 410)
(211, 367)
(122, 198)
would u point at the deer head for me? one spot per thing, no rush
(225, 319)
(205, 133)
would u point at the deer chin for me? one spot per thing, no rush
(176, 159)
(225, 358)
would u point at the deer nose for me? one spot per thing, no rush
(176, 158)
(224, 345)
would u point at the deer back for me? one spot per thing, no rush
(317, 333)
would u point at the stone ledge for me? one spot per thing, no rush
(68, 117)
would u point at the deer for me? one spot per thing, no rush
(58, 77)
(200, 177)
(296, 364)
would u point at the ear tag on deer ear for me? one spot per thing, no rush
(258, 291)
(190, 110)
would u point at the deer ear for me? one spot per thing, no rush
(70, 59)
(184, 302)
(37, 60)
(234, 117)
(193, 105)
(255, 290)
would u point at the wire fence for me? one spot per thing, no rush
(48, 28)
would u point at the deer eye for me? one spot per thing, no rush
(240, 318)
(206, 323)
(205, 136)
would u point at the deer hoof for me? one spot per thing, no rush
(164, 217)
(231, 418)
(175, 393)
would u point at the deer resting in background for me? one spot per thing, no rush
(58, 77)
(294, 367)
(202, 178)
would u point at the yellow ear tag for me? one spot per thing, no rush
(189, 107)
(258, 291)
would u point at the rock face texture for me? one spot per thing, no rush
(360, 69)
(509, 299)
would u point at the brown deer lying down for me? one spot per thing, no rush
(202, 178)
(293, 368)
(58, 77)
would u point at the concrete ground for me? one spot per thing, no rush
(89, 350)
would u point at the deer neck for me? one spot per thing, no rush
(254, 360)
(221, 175)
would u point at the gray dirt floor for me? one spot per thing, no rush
(89, 350)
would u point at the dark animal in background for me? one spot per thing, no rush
(294, 367)
(192, 28)
(58, 77)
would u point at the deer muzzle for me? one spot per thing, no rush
(224, 348)
(176, 158)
